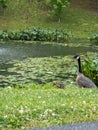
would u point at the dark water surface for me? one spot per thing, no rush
(19, 51)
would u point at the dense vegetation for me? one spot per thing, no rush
(3, 3)
(90, 68)
(35, 34)
(94, 38)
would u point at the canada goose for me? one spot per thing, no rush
(82, 80)
(59, 84)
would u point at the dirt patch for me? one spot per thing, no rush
(86, 4)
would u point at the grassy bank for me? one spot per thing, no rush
(80, 22)
(40, 106)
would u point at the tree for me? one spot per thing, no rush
(56, 6)
(3, 5)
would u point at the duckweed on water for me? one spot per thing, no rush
(40, 70)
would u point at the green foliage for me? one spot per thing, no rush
(56, 6)
(4, 3)
(35, 34)
(4, 34)
(94, 39)
(90, 69)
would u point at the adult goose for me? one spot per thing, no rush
(82, 80)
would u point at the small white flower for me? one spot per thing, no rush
(23, 93)
(35, 109)
(72, 107)
(94, 108)
(53, 114)
(27, 118)
(84, 102)
(49, 110)
(5, 116)
(39, 97)
(23, 128)
(42, 115)
(63, 105)
(43, 102)
(21, 111)
(26, 107)
(9, 87)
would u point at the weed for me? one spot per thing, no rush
(90, 69)
(94, 39)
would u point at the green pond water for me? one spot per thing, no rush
(26, 63)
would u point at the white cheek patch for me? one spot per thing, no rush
(78, 57)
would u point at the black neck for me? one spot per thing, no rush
(79, 65)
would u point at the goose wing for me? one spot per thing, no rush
(85, 82)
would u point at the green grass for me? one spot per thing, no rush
(40, 106)
(81, 23)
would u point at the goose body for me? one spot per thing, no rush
(81, 79)
(84, 81)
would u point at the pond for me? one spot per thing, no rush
(19, 51)
(25, 63)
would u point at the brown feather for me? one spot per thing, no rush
(59, 84)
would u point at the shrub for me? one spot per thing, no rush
(90, 69)
(94, 39)
(3, 3)
(35, 34)
(4, 34)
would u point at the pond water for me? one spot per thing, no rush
(25, 63)
(19, 51)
